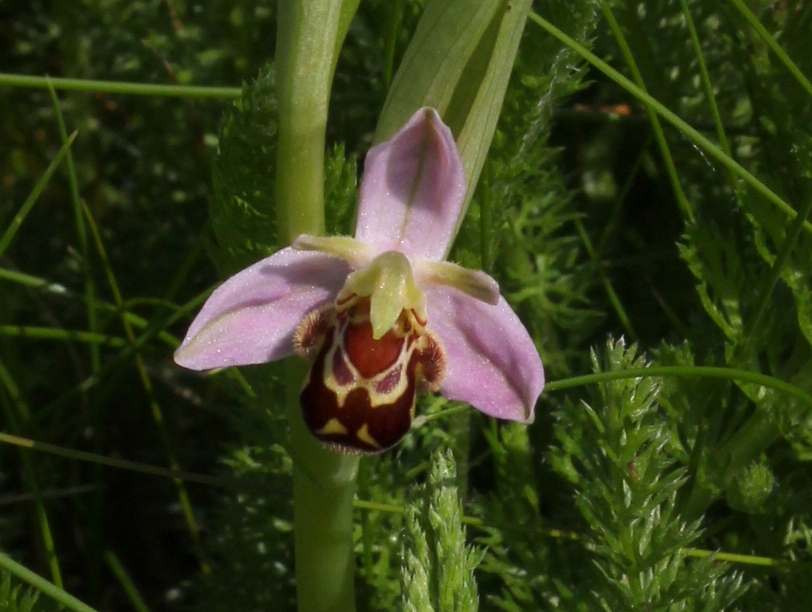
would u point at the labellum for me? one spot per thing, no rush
(359, 396)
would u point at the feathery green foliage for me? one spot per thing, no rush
(617, 452)
(438, 566)
(16, 599)
(242, 209)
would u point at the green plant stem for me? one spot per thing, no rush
(18, 405)
(607, 284)
(395, 17)
(773, 44)
(710, 96)
(769, 282)
(706, 81)
(125, 581)
(684, 372)
(55, 333)
(155, 407)
(134, 466)
(53, 288)
(119, 87)
(81, 233)
(39, 583)
(308, 30)
(309, 36)
(18, 219)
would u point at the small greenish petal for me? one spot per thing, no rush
(389, 283)
(355, 253)
(475, 283)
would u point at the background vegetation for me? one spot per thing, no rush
(625, 243)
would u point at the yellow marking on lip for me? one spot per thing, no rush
(333, 427)
(363, 435)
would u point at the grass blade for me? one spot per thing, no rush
(773, 44)
(701, 141)
(18, 219)
(119, 87)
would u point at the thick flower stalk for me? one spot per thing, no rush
(381, 316)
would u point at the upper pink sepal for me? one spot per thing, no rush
(251, 317)
(413, 190)
(492, 362)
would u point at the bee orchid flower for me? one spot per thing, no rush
(381, 316)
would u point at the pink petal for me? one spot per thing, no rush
(413, 190)
(251, 317)
(492, 362)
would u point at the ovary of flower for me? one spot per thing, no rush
(381, 316)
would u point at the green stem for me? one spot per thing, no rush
(136, 601)
(773, 44)
(119, 87)
(759, 432)
(133, 466)
(665, 151)
(18, 405)
(767, 286)
(306, 44)
(18, 219)
(683, 372)
(395, 16)
(309, 38)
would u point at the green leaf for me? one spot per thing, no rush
(340, 192)
(749, 487)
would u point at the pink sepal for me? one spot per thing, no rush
(492, 362)
(251, 317)
(413, 190)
